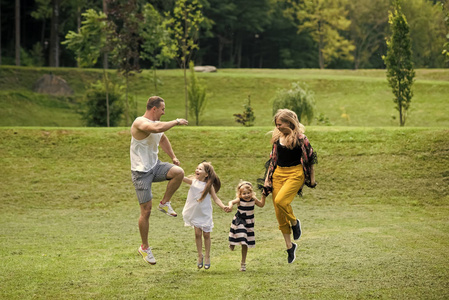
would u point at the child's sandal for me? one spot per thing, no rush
(242, 267)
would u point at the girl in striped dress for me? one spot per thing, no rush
(242, 226)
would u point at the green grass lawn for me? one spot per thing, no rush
(376, 227)
(362, 96)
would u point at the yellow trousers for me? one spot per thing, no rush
(286, 183)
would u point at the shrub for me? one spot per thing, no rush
(297, 99)
(247, 118)
(94, 105)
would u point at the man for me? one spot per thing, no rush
(147, 133)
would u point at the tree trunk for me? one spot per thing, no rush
(186, 93)
(126, 100)
(105, 55)
(106, 86)
(17, 19)
(320, 47)
(154, 80)
(54, 36)
(0, 33)
(220, 51)
(239, 53)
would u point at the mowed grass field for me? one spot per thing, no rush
(344, 97)
(376, 227)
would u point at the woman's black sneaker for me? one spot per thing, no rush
(296, 230)
(292, 253)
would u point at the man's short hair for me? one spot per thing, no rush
(154, 101)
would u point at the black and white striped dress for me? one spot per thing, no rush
(242, 226)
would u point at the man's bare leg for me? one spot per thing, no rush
(175, 176)
(144, 222)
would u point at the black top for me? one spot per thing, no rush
(288, 157)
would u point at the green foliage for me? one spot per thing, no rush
(43, 10)
(300, 100)
(427, 32)
(94, 106)
(124, 18)
(154, 36)
(369, 25)
(197, 95)
(34, 58)
(155, 41)
(183, 28)
(326, 20)
(91, 40)
(400, 72)
(445, 52)
(247, 118)
(323, 120)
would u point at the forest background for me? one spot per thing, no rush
(241, 33)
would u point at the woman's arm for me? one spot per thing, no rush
(312, 176)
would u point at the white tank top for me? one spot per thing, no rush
(143, 153)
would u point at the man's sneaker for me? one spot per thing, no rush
(292, 253)
(296, 230)
(147, 255)
(167, 209)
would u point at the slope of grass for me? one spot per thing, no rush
(375, 227)
(345, 97)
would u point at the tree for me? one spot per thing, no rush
(297, 99)
(369, 24)
(90, 43)
(400, 72)
(247, 118)
(427, 32)
(155, 36)
(445, 8)
(183, 27)
(17, 24)
(197, 95)
(326, 20)
(42, 13)
(124, 19)
(54, 34)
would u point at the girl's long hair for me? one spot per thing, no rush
(296, 128)
(211, 180)
(244, 185)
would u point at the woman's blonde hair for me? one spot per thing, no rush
(244, 185)
(296, 128)
(211, 180)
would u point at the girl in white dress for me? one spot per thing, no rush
(197, 211)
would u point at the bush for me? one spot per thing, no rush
(247, 118)
(94, 112)
(297, 99)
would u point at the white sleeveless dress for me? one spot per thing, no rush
(198, 214)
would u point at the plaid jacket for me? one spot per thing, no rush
(308, 158)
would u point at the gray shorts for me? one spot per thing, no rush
(142, 180)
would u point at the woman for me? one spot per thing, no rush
(289, 168)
